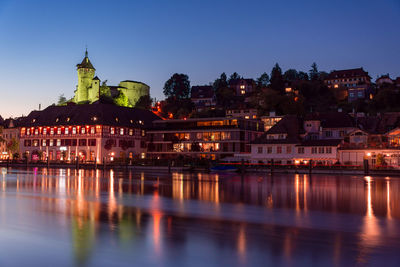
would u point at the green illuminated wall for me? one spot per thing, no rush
(134, 90)
(87, 89)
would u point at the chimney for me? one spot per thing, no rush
(40, 106)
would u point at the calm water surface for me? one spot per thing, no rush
(90, 218)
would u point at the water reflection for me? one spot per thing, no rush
(167, 219)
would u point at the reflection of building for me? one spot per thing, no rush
(92, 132)
(88, 88)
(205, 137)
(203, 97)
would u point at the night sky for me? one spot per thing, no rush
(148, 41)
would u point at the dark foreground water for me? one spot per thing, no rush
(90, 218)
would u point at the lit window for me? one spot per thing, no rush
(143, 133)
(336, 86)
(66, 131)
(44, 130)
(112, 130)
(242, 87)
(121, 131)
(92, 130)
(44, 142)
(243, 92)
(83, 130)
(36, 131)
(58, 142)
(130, 131)
(73, 130)
(58, 130)
(51, 131)
(51, 143)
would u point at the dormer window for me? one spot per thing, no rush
(112, 130)
(94, 118)
(68, 119)
(57, 119)
(116, 119)
(33, 120)
(132, 121)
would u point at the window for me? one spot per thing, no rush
(121, 131)
(59, 130)
(360, 94)
(92, 142)
(92, 130)
(242, 92)
(36, 131)
(73, 130)
(82, 142)
(321, 150)
(288, 149)
(328, 133)
(66, 131)
(59, 142)
(83, 130)
(51, 142)
(278, 150)
(269, 150)
(260, 150)
(45, 130)
(314, 150)
(44, 142)
(51, 131)
(300, 150)
(130, 131)
(112, 130)
(328, 150)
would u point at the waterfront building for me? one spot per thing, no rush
(383, 80)
(90, 132)
(9, 144)
(243, 111)
(213, 138)
(295, 140)
(351, 84)
(203, 97)
(89, 87)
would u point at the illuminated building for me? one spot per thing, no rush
(201, 137)
(91, 132)
(10, 135)
(242, 87)
(203, 97)
(88, 88)
(352, 84)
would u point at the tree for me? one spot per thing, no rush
(276, 82)
(291, 75)
(178, 86)
(263, 80)
(303, 76)
(221, 82)
(144, 102)
(314, 73)
(122, 100)
(178, 108)
(234, 76)
(62, 100)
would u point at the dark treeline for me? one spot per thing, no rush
(308, 93)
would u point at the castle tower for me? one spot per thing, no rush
(85, 77)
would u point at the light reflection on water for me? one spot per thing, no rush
(91, 218)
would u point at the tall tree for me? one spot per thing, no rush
(263, 80)
(291, 75)
(314, 73)
(144, 102)
(276, 82)
(221, 82)
(62, 100)
(178, 86)
(302, 76)
(234, 76)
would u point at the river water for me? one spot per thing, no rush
(62, 217)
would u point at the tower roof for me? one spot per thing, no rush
(85, 63)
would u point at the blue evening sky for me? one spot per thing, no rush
(42, 41)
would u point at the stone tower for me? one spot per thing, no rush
(85, 77)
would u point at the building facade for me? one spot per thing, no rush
(90, 133)
(212, 138)
(89, 86)
(203, 97)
